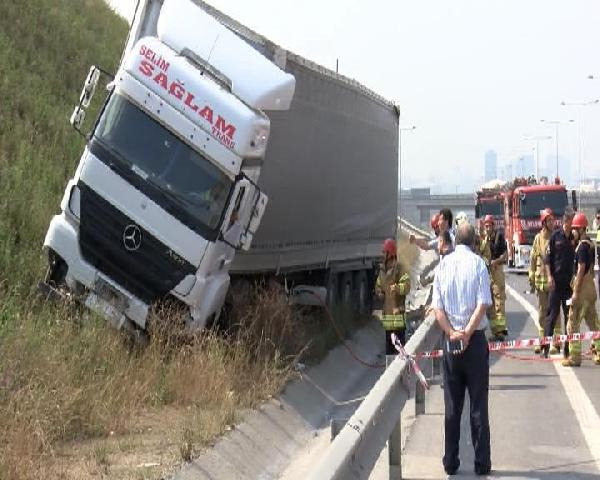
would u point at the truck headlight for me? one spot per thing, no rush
(261, 137)
(74, 202)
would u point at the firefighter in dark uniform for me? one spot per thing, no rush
(560, 257)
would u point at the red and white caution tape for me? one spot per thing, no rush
(411, 361)
(523, 344)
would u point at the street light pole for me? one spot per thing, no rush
(556, 123)
(537, 139)
(581, 132)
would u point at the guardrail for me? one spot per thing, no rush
(356, 448)
(410, 227)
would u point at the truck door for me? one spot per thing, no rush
(248, 208)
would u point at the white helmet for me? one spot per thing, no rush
(461, 217)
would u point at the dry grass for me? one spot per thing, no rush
(66, 376)
(72, 391)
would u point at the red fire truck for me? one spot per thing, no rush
(490, 201)
(522, 200)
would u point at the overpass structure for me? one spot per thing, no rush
(418, 204)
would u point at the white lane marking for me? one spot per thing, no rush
(586, 414)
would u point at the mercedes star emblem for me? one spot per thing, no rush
(132, 237)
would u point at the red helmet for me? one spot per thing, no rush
(488, 219)
(579, 221)
(389, 246)
(435, 218)
(545, 213)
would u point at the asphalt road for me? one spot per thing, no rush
(543, 417)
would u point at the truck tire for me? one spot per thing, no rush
(332, 290)
(363, 293)
(347, 290)
(57, 269)
(136, 339)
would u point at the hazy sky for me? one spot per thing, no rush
(472, 75)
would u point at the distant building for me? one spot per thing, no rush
(491, 166)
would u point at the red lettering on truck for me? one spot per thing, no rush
(220, 129)
(162, 80)
(150, 55)
(146, 67)
(189, 101)
(207, 114)
(177, 90)
(223, 127)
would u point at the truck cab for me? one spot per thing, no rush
(166, 189)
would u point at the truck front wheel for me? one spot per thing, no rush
(57, 269)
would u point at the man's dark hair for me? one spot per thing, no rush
(447, 214)
(446, 238)
(465, 235)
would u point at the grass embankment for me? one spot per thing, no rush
(74, 402)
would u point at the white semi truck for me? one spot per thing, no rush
(176, 171)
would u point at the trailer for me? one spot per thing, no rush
(331, 175)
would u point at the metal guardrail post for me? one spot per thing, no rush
(436, 363)
(336, 426)
(355, 450)
(419, 398)
(395, 441)
(395, 452)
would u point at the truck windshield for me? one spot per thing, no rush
(532, 203)
(491, 208)
(162, 166)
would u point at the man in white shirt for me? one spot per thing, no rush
(461, 295)
(444, 223)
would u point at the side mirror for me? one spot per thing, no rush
(257, 212)
(77, 117)
(89, 87)
(248, 208)
(85, 98)
(522, 196)
(476, 210)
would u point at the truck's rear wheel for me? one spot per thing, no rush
(332, 290)
(347, 289)
(363, 296)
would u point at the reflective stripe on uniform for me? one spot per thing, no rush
(403, 285)
(541, 283)
(393, 322)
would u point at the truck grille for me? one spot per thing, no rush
(125, 252)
